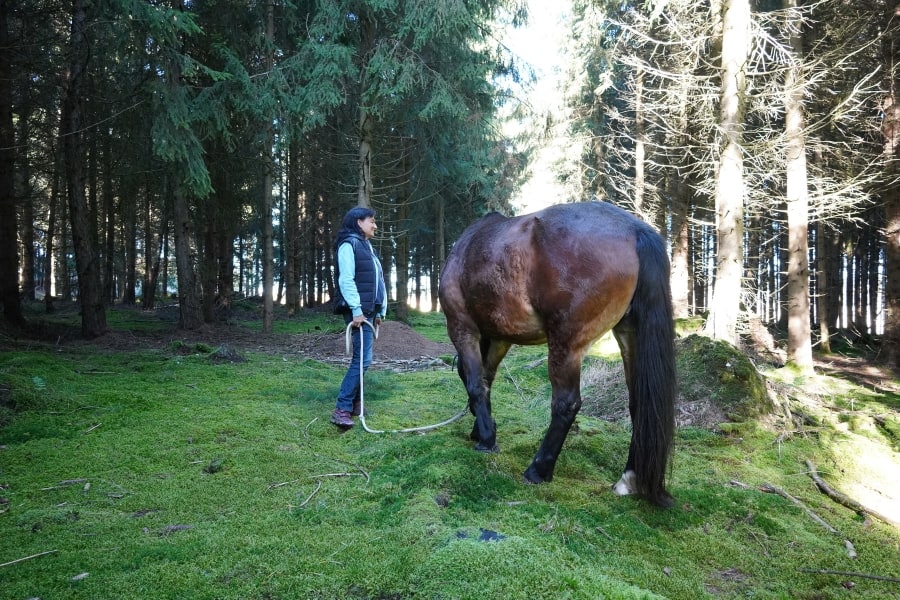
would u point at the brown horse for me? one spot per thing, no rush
(564, 276)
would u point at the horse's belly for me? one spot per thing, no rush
(515, 322)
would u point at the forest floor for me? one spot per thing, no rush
(262, 421)
(396, 341)
(398, 346)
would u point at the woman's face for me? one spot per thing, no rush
(367, 226)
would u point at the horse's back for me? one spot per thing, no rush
(568, 263)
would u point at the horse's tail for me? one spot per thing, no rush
(653, 394)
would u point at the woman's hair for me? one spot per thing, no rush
(353, 215)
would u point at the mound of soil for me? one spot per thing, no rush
(396, 342)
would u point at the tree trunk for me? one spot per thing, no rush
(191, 315)
(109, 213)
(439, 254)
(129, 250)
(87, 261)
(209, 261)
(891, 195)
(640, 138)
(151, 255)
(268, 234)
(799, 339)
(49, 247)
(22, 175)
(754, 296)
(680, 238)
(725, 309)
(364, 194)
(9, 255)
(366, 119)
(292, 231)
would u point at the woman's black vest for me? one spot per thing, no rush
(367, 279)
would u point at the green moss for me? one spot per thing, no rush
(717, 371)
(227, 481)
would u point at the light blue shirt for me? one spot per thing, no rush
(347, 279)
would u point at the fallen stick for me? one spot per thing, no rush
(850, 574)
(273, 486)
(361, 470)
(768, 487)
(773, 489)
(843, 499)
(308, 498)
(63, 484)
(24, 558)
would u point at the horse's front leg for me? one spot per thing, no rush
(565, 379)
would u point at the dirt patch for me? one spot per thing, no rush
(397, 342)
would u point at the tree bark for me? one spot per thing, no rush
(292, 230)
(680, 238)
(9, 256)
(87, 260)
(891, 195)
(268, 267)
(799, 339)
(640, 151)
(191, 315)
(725, 309)
(151, 255)
(25, 195)
(364, 193)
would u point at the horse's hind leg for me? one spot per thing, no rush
(565, 378)
(625, 336)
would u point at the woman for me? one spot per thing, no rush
(360, 290)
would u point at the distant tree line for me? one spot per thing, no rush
(217, 143)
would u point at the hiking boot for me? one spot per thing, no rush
(355, 411)
(342, 418)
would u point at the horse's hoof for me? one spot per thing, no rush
(627, 485)
(531, 476)
(663, 500)
(487, 449)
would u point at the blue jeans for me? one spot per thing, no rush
(350, 385)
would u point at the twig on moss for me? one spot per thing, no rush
(63, 484)
(769, 488)
(24, 558)
(273, 486)
(306, 429)
(773, 489)
(843, 499)
(308, 498)
(850, 574)
(344, 462)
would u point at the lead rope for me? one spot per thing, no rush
(362, 406)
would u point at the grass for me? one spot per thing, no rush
(158, 474)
